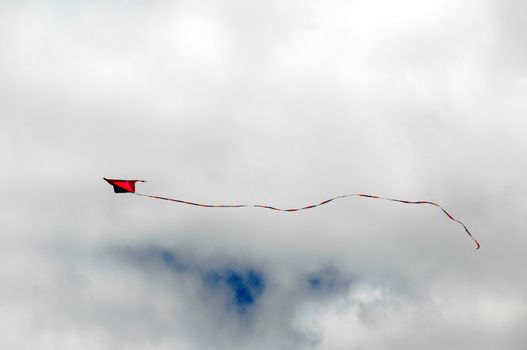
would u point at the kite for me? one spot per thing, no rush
(128, 186)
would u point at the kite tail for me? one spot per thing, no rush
(315, 205)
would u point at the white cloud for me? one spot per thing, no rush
(275, 102)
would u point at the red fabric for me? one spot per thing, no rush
(123, 185)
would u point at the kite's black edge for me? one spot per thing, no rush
(118, 189)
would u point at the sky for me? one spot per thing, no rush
(283, 103)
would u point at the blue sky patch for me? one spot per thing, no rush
(153, 258)
(328, 280)
(245, 285)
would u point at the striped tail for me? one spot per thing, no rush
(316, 205)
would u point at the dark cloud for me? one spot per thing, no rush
(240, 285)
(328, 281)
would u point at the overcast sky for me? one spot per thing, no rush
(283, 103)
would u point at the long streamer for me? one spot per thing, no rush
(314, 206)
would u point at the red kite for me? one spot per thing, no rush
(123, 186)
(128, 186)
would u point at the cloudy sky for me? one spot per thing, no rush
(276, 102)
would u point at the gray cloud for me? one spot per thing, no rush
(284, 103)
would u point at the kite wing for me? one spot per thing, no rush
(128, 186)
(123, 186)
